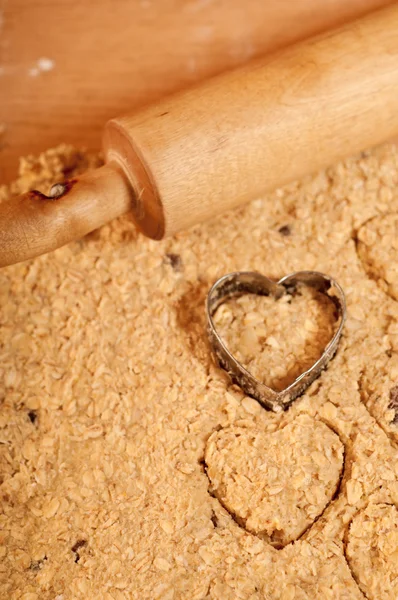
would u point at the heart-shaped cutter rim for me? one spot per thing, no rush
(247, 282)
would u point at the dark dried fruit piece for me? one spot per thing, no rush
(75, 548)
(285, 230)
(32, 416)
(393, 405)
(174, 260)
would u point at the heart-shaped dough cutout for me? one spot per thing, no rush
(372, 551)
(275, 484)
(238, 349)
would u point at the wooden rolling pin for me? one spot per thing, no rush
(208, 149)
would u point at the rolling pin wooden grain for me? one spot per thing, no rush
(213, 147)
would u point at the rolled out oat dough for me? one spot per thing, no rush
(132, 468)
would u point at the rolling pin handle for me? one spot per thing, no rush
(33, 223)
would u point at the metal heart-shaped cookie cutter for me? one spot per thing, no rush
(237, 284)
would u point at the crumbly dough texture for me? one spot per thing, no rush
(373, 549)
(122, 473)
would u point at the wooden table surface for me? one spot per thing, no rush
(66, 66)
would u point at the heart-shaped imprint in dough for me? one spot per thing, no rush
(275, 484)
(372, 551)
